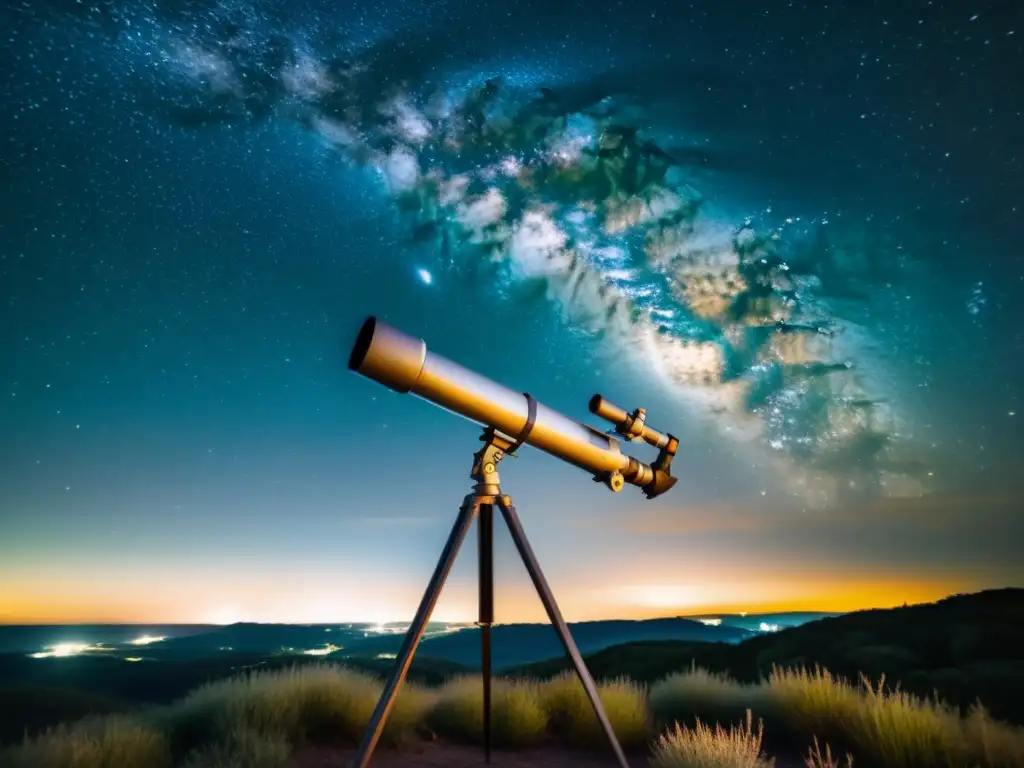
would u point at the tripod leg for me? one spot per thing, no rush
(375, 727)
(515, 527)
(485, 527)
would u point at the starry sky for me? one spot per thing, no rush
(181, 440)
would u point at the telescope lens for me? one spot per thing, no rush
(362, 345)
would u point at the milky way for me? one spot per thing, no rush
(757, 325)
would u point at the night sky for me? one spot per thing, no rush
(181, 440)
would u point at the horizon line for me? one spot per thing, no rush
(732, 611)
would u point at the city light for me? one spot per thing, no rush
(63, 650)
(147, 640)
(327, 649)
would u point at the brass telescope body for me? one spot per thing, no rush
(403, 363)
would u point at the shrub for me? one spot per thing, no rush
(702, 747)
(572, 715)
(243, 748)
(990, 743)
(814, 703)
(712, 697)
(517, 718)
(107, 742)
(892, 728)
(296, 705)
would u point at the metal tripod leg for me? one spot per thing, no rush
(469, 509)
(485, 528)
(515, 527)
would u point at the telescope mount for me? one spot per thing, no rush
(479, 505)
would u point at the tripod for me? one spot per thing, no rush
(480, 503)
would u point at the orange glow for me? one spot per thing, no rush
(581, 600)
(666, 561)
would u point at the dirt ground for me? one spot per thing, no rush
(440, 755)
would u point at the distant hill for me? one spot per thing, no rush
(518, 644)
(964, 647)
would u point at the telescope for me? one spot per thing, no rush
(510, 419)
(403, 363)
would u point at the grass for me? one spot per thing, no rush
(572, 716)
(258, 720)
(816, 759)
(518, 719)
(320, 704)
(890, 728)
(242, 748)
(96, 742)
(713, 698)
(704, 747)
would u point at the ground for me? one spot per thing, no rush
(440, 755)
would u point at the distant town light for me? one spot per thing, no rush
(147, 640)
(63, 650)
(327, 649)
(766, 627)
(711, 622)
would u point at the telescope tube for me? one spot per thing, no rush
(403, 363)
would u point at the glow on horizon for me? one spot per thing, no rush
(840, 598)
(71, 601)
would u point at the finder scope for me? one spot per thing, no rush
(402, 362)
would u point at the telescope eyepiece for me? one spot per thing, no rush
(632, 426)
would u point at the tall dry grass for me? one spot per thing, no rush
(704, 747)
(242, 748)
(890, 728)
(96, 742)
(816, 759)
(320, 703)
(517, 718)
(713, 698)
(572, 717)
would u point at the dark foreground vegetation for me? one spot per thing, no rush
(902, 689)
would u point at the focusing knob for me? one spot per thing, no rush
(615, 481)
